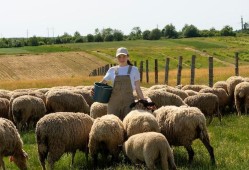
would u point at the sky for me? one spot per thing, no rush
(48, 17)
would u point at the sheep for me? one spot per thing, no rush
(4, 94)
(162, 98)
(221, 84)
(182, 94)
(196, 88)
(241, 96)
(139, 121)
(43, 90)
(144, 91)
(27, 109)
(222, 95)
(98, 109)
(62, 132)
(107, 134)
(87, 95)
(4, 108)
(149, 147)
(66, 101)
(11, 145)
(208, 103)
(191, 92)
(182, 125)
(231, 84)
(158, 86)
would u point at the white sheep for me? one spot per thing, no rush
(27, 109)
(208, 103)
(182, 125)
(107, 134)
(139, 121)
(241, 96)
(98, 109)
(60, 133)
(11, 145)
(149, 147)
(4, 108)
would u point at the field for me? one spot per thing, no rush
(70, 64)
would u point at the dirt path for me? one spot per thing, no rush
(207, 55)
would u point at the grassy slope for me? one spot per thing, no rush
(231, 146)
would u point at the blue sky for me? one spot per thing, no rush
(16, 16)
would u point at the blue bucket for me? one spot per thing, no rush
(102, 92)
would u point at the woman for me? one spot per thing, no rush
(125, 79)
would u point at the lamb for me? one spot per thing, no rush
(4, 94)
(182, 125)
(163, 98)
(98, 109)
(42, 90)
(27, 109)
(241, 96)
(158, 86)
(66, 101)
(11, 145)
(208, 103)
(62, 132)
(196, 88)
(191, 92)
(149, 147)
(222, 95)
(107, 134)
(221, 84)
(139, 121)
(87, 95)
(4, 108)
(182, 94)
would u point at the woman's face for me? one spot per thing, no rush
(122, 59)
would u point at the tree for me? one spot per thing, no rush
(155, 34)
(90, 38)
(76, 34)
(33, 41)
(109, 37)
(118, 35)
(66, 38)
(169, 31)
(146, 35)
(227, 31)
(190, 31)
(98, 38)
(135, 34)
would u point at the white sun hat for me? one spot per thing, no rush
(122, 50)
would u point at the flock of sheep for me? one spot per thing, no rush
(67, 119)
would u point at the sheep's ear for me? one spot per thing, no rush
(133, 105)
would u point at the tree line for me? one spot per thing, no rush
(109, 34)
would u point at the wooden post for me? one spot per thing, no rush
(110, 65)
(95, 72)
(135, 63)
(147, 71)
(156, 71)
(98, 71)
(211, 72)
(192, 78)
(236, 64)
(166, 77)
(179, 72)
(141, 71)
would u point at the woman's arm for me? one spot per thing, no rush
(138, 90)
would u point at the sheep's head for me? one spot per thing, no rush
(20, 159)
(143, 105)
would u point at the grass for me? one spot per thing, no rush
(231, 147)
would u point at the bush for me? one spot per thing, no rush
(90, 38)
(118, 35)
(169, 31)
(146, 35)
(155, 34)
(109, 37)
(190, 31)
(98, 38)
(227, 31)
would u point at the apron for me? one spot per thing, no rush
(122, 95)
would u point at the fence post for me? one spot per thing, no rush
(166, 77)
(211, 72)
(156, 71)
(236, 64)
(192, 78)
(147, 71)
(135, 63)
(179, 71)
(141, 71)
